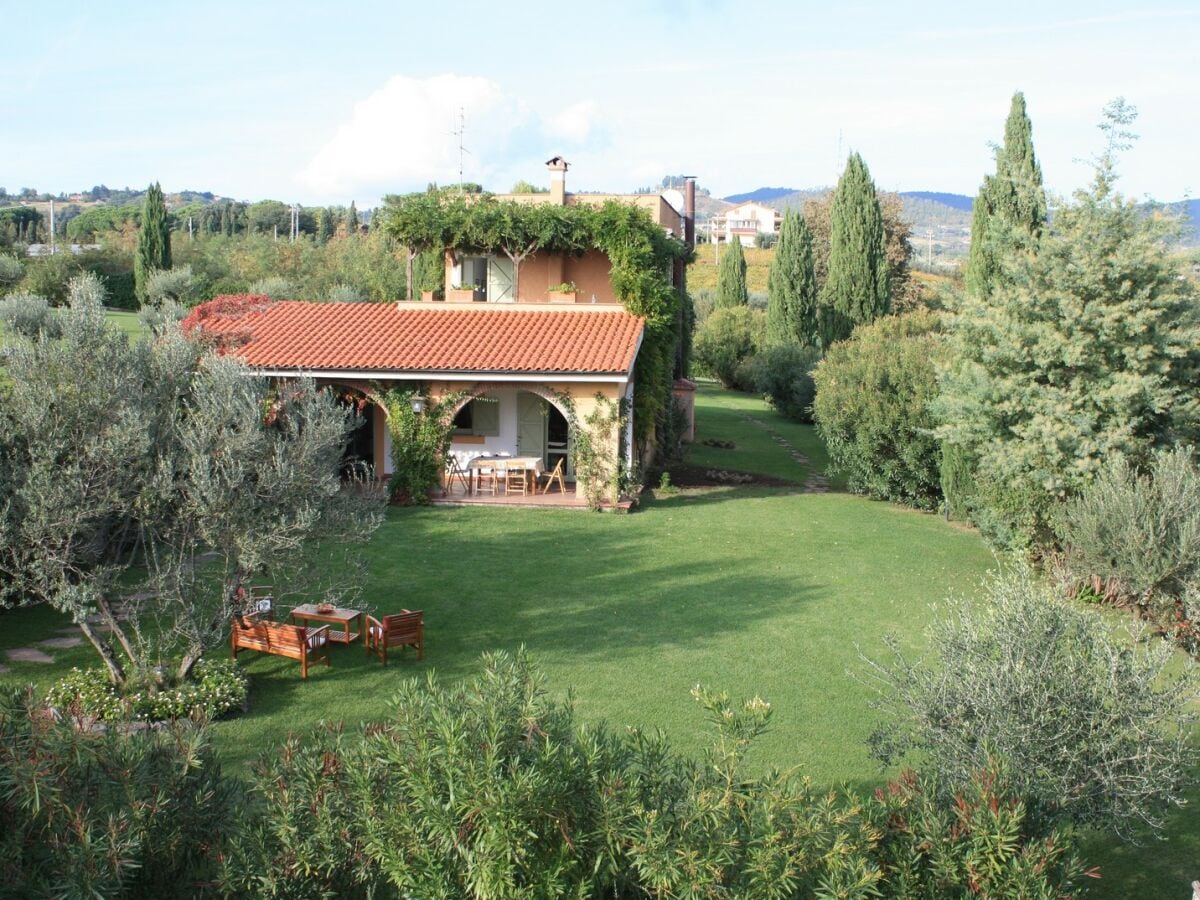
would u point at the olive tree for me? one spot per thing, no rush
(142, 486)
(1094, 726)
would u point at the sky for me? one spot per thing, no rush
(329, 102)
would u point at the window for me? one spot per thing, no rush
(481, 416)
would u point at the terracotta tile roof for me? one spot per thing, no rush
(422, 337)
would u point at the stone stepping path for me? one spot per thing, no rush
(815, 483)
(61, 643)
(29, 655)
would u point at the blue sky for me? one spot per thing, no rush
(328, 102)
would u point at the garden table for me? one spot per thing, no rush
(532, 464)
(338, 616)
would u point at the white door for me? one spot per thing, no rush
(500, 280)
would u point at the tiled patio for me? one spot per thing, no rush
(457, 495)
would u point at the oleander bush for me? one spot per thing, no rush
(727, 337)
(490, 788)
(214, 689)
(88, 814)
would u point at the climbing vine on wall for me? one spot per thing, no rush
(641, 253)
(420, 440)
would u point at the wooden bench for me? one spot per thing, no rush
(292, 641)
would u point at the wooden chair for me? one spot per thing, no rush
(489, 473)
(261, 602)
(516, 480)
(556, 472)
(403, 629)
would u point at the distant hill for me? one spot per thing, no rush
(957, 201)
(761, 195)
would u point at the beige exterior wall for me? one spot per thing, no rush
(541, 271)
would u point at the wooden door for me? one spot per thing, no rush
(531, 425)
(500, 280)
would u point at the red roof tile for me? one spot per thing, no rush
(422, 337)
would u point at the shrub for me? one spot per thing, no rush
(274, 286)
(1139, 532)
(490, 788)
(105, 815)
(215, 688)
(30, 315)
(177, 284)
(47, 276)
(345, 293)
(115, 269)
(783, 375)
(1094, 727)
(984, 845)
(728, 336)
(11, 271)
(872, 408)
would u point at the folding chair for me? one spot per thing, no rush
(556, 472)
(454, 470)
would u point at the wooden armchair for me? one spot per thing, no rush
(404, 629)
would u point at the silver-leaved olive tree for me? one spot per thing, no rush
(144, 483)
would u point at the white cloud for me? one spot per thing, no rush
(401, 136)
(574, 124)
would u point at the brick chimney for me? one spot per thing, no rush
(558, 180)
(689, 210)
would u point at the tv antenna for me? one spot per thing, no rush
(458, 133)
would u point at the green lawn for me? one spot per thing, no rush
(755, 591)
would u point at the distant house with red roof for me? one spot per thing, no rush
(517, 362)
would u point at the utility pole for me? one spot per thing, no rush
(929, 252)
(458, 133)
(52, 247)
(191, 234)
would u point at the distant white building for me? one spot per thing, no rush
(745, 222)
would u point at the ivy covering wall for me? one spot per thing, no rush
(642, 256)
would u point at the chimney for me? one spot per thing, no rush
(689, 210)
(558, 180)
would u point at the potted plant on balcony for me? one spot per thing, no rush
(465, 293)
(566, 292)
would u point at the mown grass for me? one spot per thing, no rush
(753, 591)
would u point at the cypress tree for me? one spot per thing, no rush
(856, 289)
(325, 227)
(792, 286)
(1011, 204)
(154, 240)
(352, 220)
(731, 277)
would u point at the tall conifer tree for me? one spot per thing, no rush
(856, 289)
(792, 286)
(154, 240)
(352, 219)
(1011, 204)
(731, 277)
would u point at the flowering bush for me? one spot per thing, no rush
(215, 689)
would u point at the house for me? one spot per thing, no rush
(526, 368)
(746, 222)
(490, 278)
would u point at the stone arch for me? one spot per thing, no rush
(481, 388)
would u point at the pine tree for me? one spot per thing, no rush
(352, 220)
(1011, 205)
(154, 240)
(856, 289)
(792, 286)
(731, 277)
